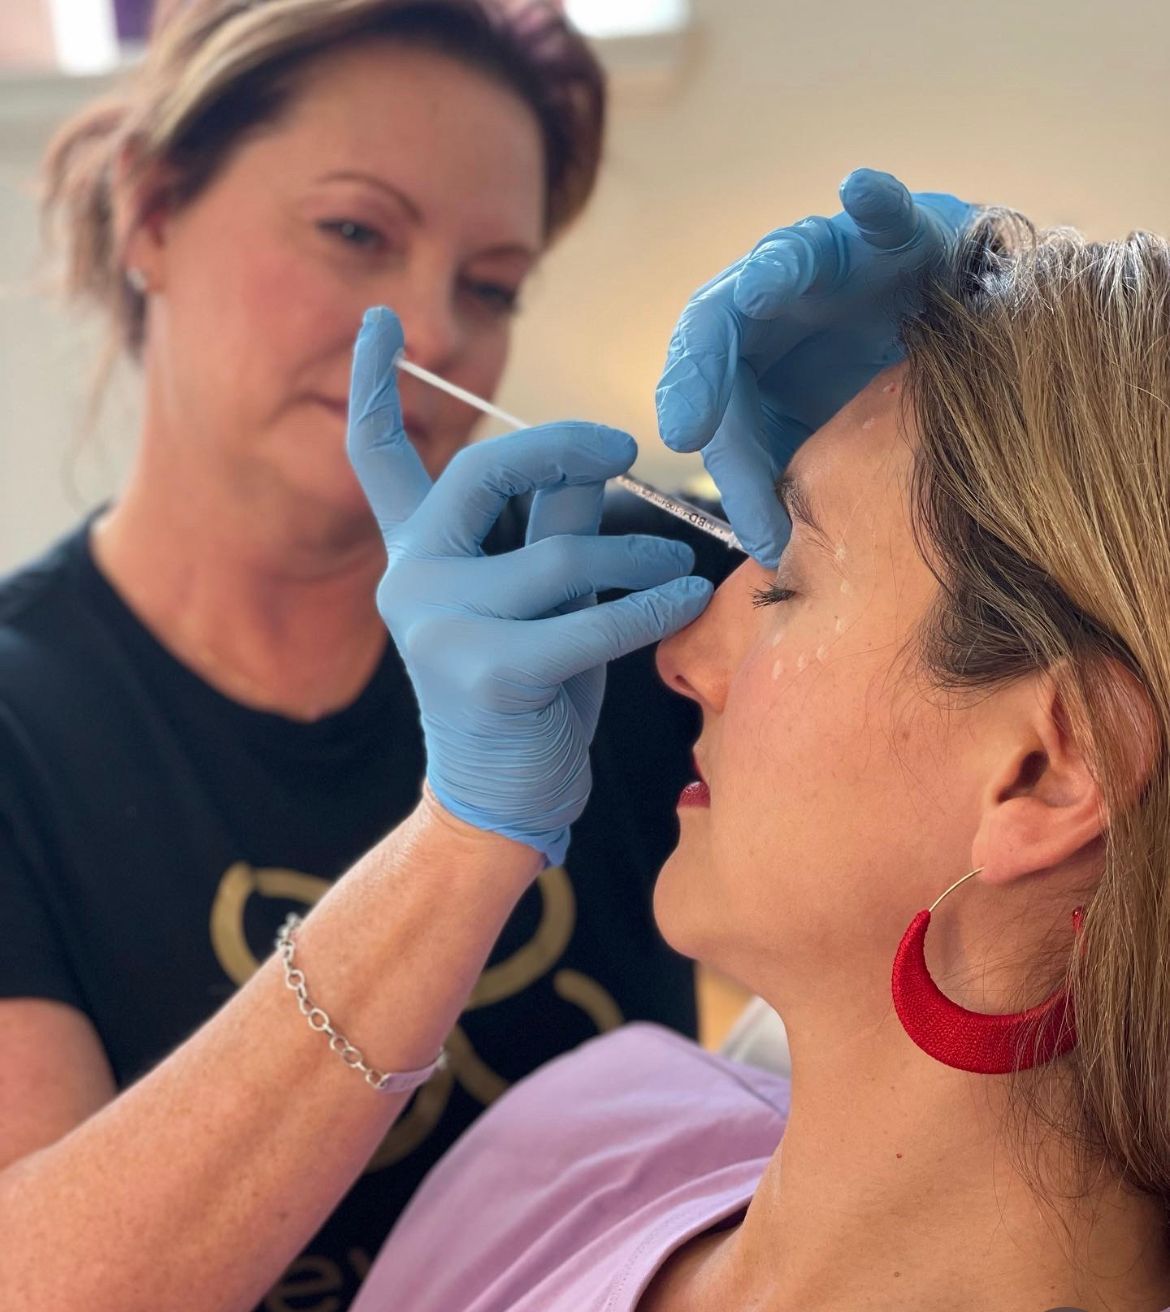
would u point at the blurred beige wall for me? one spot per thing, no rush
(1061, 109)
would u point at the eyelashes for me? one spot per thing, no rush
(771, 595)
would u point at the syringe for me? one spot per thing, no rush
(717, 528)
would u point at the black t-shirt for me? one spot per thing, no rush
(154, 833)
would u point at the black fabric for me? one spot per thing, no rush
(154, 833)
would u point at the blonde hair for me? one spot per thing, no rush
(216, 70)
(1040, 382)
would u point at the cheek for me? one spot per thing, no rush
(479, 369)
(302, 313)
(806, 738)
(263, 318)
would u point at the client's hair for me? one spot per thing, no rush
(218, 70)
(1040, 382)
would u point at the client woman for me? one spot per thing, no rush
(962, 664)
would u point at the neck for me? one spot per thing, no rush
(272, 605)
(895, 1185)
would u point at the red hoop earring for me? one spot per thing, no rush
(971, 1040)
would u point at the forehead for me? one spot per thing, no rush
(856, 468)
(427, 122)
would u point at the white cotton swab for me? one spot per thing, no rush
(717, 528)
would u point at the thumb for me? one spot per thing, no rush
(386, 463)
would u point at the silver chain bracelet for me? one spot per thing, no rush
(383, 1081)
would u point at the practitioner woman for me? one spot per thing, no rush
(954, 693)
(201, 721)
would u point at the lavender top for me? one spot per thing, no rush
(573, 1190)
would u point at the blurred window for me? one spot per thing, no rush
(616, 18)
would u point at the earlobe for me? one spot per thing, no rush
(140, 213)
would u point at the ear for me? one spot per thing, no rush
(141, 207)
(1043, 804)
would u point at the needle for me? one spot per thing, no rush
(717, 528)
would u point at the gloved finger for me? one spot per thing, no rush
(558, 510)
(948, 212)
(696, 381)
(780, 269)
(470, 493)
(558, 570)
(882, 208)
(571, 644)
(745, 473)
(383, 457)
(808, 256)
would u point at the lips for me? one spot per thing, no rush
(697, 793)
(415, 430)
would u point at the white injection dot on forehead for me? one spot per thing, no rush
(845, 588)
(821, 653)
(801, 661)
(840, 552)
(890, 387)
(777, 639)
(839, 627)
(777, 669)
(869, 423)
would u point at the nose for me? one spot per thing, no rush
(426, 304)
(699, 661)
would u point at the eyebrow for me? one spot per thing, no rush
(793, 496)
(372, 180)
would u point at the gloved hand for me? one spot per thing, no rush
(772, 347)
(507, 653)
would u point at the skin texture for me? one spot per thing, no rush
(243, 539)
(843, 785)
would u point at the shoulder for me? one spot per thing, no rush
(54, 645)
(564, 1181)
(32, 590)
(636, 1063)
(641, 1094)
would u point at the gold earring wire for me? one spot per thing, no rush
(955, 885)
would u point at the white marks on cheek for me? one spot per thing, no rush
(801, 662)
(822, 651)
(839, 554)
(777, 669)
(845, 588)
(777, 639)
(839, 626)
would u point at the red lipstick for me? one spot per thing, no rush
(697, 793)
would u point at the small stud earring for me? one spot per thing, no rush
(137, 280)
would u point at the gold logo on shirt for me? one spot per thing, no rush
(528, 963)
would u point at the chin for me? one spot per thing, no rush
(678, 906)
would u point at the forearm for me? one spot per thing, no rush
(196, 1187)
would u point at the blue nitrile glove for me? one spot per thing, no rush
(770, 349)
(507, 653)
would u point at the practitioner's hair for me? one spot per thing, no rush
(217, 70)
(1039, 377)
